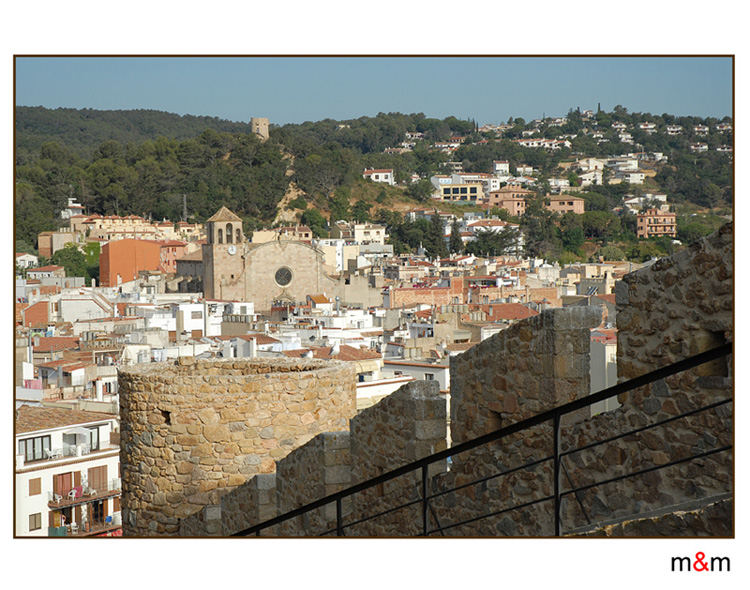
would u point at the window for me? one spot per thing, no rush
(229, 233)
(429, 376)
(35, 486)
(35, 521)
(221, 237)
(94, 438)
(97, 478)
(33, 448)
(473, 190)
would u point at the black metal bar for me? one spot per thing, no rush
(648, 470)
(437, 522)
(578, 497)
(424, 500)
(339, 528)
(383, 513)
(497, 512)
(556, 469)
(493, 476)
(615, 390)
(647, 427)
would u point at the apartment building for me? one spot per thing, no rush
(67, 473)
(565, 204)
(469, 192)
(656, 223)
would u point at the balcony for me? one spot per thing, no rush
(67, 453)
(88, 529)
(84, 495)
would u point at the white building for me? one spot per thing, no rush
(380, 175)
(594, 177)
(67, 473)
(421, 371)
(557, 185)
(24, 260)
(603, 368)
(501, 167)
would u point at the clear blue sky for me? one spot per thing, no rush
(293, 90)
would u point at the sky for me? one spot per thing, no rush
(298, 89)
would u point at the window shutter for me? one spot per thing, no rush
(35, 486)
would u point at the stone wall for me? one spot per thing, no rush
(319, 468)
(405, 426)
(194, 430)
(711, 520)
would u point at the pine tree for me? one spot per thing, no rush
(435, 245)
(456, 246)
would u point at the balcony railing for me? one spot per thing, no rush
(87, 528)
(84, 494)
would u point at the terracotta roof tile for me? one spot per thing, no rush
(54, 343)
(30, 419)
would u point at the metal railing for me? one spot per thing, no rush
(86, 493)
(552, 417)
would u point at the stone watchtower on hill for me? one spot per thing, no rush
(223, 265)
(259, 125)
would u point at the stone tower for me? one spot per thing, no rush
(196, 429)
(259, 125)
(223, 256)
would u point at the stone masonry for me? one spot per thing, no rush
(195, 430)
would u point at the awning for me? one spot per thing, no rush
(78, 431)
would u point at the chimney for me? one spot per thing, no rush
(336, 348)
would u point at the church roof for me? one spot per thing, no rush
(224, 214)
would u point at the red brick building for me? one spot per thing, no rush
(121, 260)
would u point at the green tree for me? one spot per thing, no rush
(313, 219)
(361, 212)
(434, 240)
(610, 252)
(455, 245)
(73, 260)
(420, 190)
(491, 243)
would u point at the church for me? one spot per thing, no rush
(235, 269)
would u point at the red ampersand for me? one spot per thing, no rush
(699, 557)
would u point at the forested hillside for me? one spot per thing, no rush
(83, 130)
(144, 162)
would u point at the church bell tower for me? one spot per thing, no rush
(223, 262)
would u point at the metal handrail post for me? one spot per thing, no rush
(339, 528)
(556, 469)
(424, 500)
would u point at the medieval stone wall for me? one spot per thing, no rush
(194, 430)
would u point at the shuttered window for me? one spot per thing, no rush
(62, 483)
(98, 478)
(35, 486)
